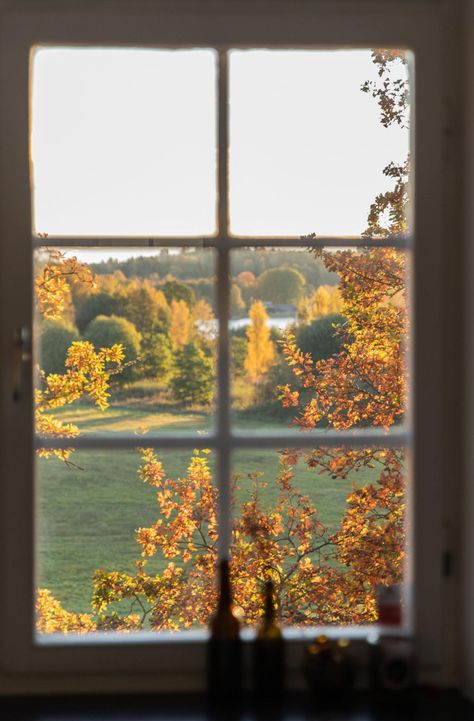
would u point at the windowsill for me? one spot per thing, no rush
(369, 634)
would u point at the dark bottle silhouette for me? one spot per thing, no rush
(224, 652)
(268, 654)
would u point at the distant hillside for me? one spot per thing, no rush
(196, 264)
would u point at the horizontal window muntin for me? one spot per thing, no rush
(224, 242)
(332, 439)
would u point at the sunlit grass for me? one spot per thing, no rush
(88, 515)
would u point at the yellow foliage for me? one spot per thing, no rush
(51, 617)
(181, 324)
(260, 349)
(53, 284)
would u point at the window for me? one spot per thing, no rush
(221, 52)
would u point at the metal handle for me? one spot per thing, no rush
(22, 356)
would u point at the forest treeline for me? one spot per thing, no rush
(164, 317)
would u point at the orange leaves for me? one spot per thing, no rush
(365, 384)
(371, 538)
(287, 396)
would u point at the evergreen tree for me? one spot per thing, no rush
(175, 290)
(193, 381)
(157, 358)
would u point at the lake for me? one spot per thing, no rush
(209, 327)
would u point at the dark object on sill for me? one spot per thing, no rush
(389, 605)
(224, 651)
(268, 653)
(330, 670)
(392, 664)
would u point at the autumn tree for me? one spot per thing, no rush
(86, 372)
(324, 300)
(147, 308)
(202, 312)
(247, 283)
(246, 279)
(181, 324)
(365, 384)
(260, 349)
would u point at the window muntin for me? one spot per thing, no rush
(224, 441)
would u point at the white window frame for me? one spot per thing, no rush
(106, 662)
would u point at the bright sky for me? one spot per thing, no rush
(124, 142)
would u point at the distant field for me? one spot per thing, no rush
(87, 516)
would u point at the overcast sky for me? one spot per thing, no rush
(124, 142)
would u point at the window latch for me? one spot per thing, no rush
(22, 356)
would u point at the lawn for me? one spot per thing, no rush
(87, 515)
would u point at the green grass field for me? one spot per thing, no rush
(87, 516)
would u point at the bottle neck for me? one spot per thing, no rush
(225, 592)
(269, 608)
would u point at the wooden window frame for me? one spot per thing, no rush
(175, 661)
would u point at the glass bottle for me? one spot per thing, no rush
(268, 660)
(224, 653)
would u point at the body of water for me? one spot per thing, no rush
(209, 327)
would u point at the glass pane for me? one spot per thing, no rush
(319, 339)
(327, 526)
(125, 342)
(308, 148)
(123, 141)
(120, 540)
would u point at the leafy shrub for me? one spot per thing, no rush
(92, 305)
(281, 285)
(56, 338)
(104, 332)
